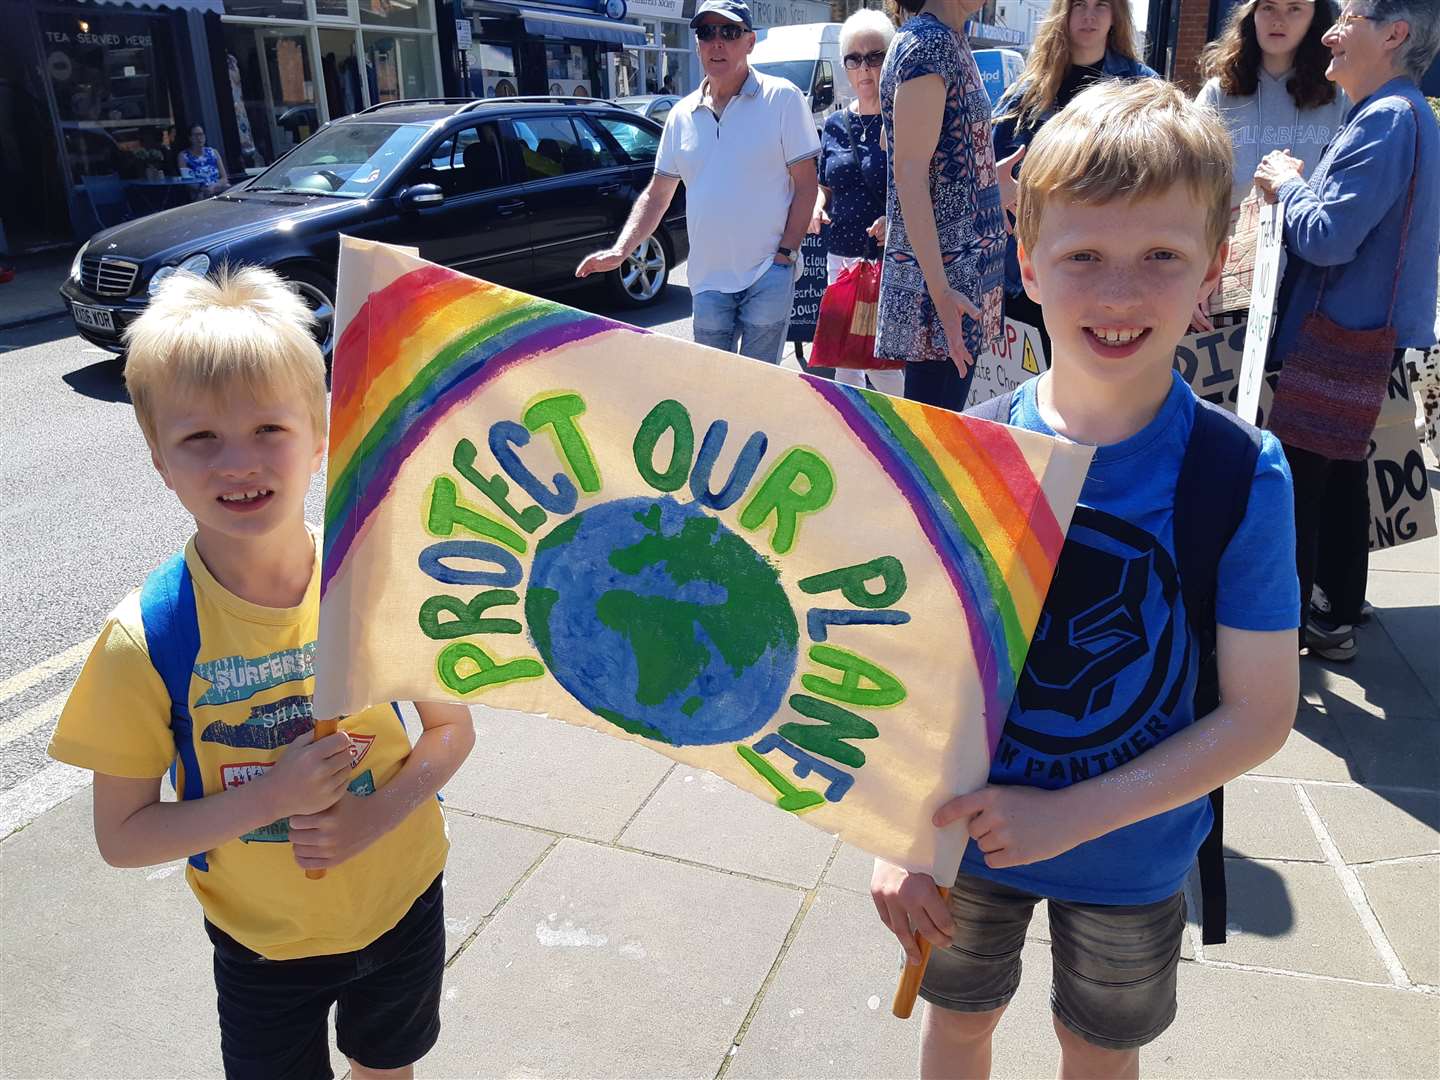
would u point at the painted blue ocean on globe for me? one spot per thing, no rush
(657, 617)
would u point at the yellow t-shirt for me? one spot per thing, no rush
(250, 696)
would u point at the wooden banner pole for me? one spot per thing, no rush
(911, 974)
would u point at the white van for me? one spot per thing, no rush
(808, 55)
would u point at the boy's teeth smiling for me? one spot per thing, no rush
(1117, 335)
(245, 496)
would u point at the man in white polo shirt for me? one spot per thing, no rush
(745, 145)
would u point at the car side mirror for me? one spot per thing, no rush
(420, 196)
(822, 97)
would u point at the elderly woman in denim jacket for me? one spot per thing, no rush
(1079, 42)
(1348, 219)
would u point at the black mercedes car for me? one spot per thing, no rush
(513, 190)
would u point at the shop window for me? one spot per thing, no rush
(333, 9)
(340, 71)
(272, 90)
(391, 12)
(492, 70)
(550, 148)
(567, 71)
(398, 66)
(639, 143)
(112, 77)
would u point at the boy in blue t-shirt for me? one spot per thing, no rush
(1097, 794)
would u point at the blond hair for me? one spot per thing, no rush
(1127, 140)
(240, 327)
(1049, 60)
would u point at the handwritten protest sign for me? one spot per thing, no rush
(822, 594)
(1400, 506)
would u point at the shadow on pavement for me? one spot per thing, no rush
(672, 304)
(41, 332)
(1259, 901)
(103, 380)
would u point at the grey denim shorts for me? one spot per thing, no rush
(1114, 966)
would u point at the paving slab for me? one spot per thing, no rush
(106, 972)
(1403, 751)
(1297, 917)
(827, 1013)
(608, 963)
(1381, 824)
(696, 815)
(1314, 750)
(1264, 820)
(1250, 1024)
(486, 859)
(1379, 679)
(851, 869)
(1405, 897)
(1407, 606)
(537, 771)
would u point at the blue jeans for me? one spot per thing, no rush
(755, 319)
(938, 382)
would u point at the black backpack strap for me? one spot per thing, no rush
(1211, 497)
(996, 409)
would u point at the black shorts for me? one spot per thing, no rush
(1114, 966)
(274, 1014)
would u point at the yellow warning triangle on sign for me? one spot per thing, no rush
(1027, 361)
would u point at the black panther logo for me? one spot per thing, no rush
(1091, 634)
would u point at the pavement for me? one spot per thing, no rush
(34, 292)
(611, 914)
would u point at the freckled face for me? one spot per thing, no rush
(1119, 281)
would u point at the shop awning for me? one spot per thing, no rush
(205, 7)
(580, 28)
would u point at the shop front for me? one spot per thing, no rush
(289, 66)
(557, 49)
(94, 99)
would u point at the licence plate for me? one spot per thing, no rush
(94, 318)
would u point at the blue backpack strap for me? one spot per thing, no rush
(996, 409)
(1211, 496)
(172, 637)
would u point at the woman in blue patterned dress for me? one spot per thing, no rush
(203, 163)
(941, 283)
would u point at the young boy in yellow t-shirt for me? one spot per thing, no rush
(208, 669)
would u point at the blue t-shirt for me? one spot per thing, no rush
(855, 174)
(1111, 670)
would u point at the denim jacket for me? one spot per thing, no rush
(1349, 216)
(1009, 136)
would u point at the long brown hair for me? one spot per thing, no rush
(1049, 60)
(1234, 57)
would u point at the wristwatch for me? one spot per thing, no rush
(789, 253)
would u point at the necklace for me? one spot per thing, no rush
(866, 126)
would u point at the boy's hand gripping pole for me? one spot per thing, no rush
(911, 974)
(323, 728)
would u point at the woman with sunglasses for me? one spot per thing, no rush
(1363, 238)
(853, 163)
(942, 276)
(1078, 42)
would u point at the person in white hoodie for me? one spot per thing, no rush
(1267, 81)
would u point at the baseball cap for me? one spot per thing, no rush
(736, 11)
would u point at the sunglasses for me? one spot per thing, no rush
(727, 32)
(870, 60)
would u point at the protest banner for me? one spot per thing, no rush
(1400, 506)
(821, 594)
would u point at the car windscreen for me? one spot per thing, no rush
(799, 72)
(346, 160)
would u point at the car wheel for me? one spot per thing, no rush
(641, 278)
(318, 292)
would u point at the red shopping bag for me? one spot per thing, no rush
(845, 327)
